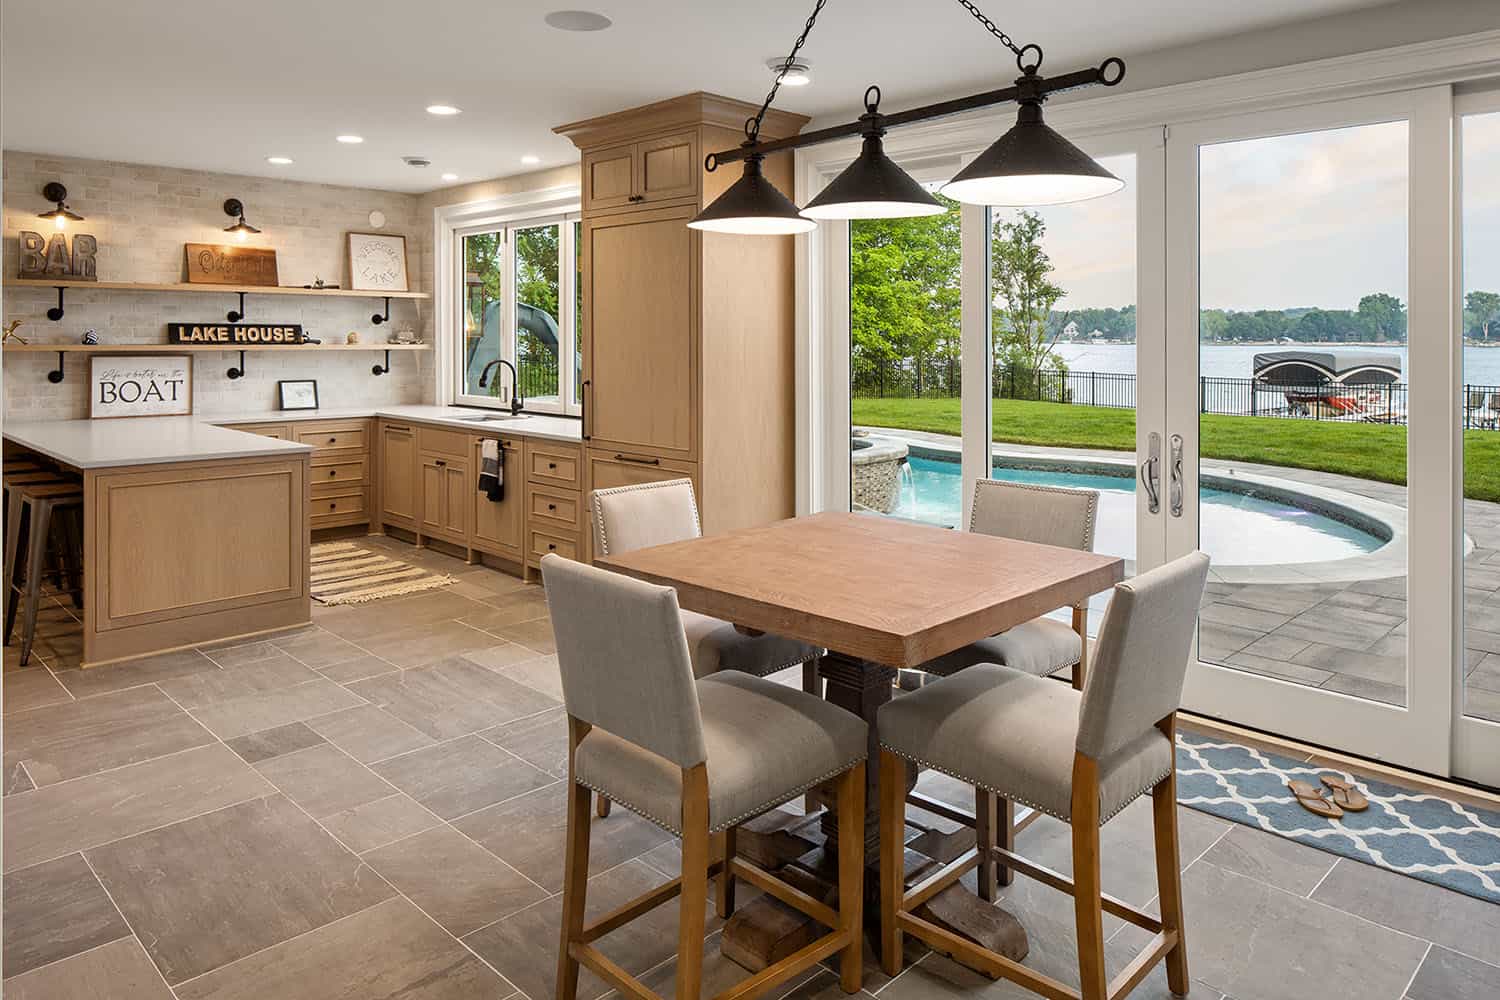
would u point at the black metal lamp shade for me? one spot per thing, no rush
(873, 187)
(61, 215)
(753, 207)
(241, 228)
(1031, 165)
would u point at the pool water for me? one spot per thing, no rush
(1234, 528)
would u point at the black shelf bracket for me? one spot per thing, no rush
(56, 312)
(56, 375)
(379, 369)
(239, 372)
(235, 315)
(380, 318)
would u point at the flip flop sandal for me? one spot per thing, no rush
(1346, 795)
(1310, 797)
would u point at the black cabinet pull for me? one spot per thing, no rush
(639, 461)
(552, 506)
(333, 440)
(332, 473)
(551, 547)
(333, 506)
(583, 401)
(551, 465)
(439, 462)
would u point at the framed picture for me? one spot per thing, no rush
(377, 262)
(140, 385)
(298, 394)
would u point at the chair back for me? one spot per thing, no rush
(1493, 402)
(645, 514)
(1048, 515)
(1140, 658)
(624, 658)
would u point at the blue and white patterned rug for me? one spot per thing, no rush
(1424, 836)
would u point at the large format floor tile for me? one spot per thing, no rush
(269, 709)
(389, 950)
(324, 780)
(463, 776)
(369, 734)
(32, 688)
(454, 880)
(452, 698)
(1447, 975)
(119, 969)
(53, 910)
(1455, 921)
(209, 890)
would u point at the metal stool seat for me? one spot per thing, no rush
(31, 501)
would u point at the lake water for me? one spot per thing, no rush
(1481, 364)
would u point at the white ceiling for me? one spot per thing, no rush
(221, 85)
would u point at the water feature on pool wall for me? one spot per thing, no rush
(877, 463)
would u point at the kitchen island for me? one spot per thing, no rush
(192, 533)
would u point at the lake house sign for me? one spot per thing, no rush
(235, 334)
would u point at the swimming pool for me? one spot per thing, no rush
(1236, 528)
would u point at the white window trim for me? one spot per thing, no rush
(448, 220)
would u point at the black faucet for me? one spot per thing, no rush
(516, 400)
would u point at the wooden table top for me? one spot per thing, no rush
(880, 589)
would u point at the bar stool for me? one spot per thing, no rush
(31, 509)
(697, 758)
(27, 471)
(1080, 758)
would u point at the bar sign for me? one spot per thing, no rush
(235, 334)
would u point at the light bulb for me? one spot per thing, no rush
(60, 221)
(241, 235)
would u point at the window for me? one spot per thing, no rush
(515, 330)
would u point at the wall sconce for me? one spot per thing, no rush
(61, 214)
(234, 207)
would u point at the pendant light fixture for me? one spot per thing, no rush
(1031, 164)
(241, 229)
(62, 214)
(873, 187)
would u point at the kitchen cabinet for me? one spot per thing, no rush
(650, 172)
(398, 475)
(445, 497)
(497, 527)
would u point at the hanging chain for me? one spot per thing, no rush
(752, 125)
(990, 26)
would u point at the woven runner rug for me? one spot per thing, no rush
(1422, 835)
(345, 573)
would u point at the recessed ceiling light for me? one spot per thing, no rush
(351, 139)
(443, 109)
(280, 161)
(530, 160)
(577, 20)
(450, 177)
(800, 74)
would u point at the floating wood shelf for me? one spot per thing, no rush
(182, 286)
(189, 348)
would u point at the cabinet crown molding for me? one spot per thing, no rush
(688, 111)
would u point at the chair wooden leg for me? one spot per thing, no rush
(601, 806)
(892, 858)
(1169, 869)
(1081, 626)
(726, 879)
(851, 807)
(986, 817)
(1087, 890)
(575, 871)
(694, 898)
(1005, 836)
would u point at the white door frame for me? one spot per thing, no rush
(1418, 734)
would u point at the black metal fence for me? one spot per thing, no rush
(538, 375)
(1229, 396)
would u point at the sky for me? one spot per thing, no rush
(1313, 219)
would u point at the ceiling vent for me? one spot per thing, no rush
(416, 161)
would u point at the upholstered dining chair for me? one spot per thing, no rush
(646, 514)
(696, 757)
(1079, 757)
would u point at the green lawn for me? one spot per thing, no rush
(1367, 451)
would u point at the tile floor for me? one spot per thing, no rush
(373, 807)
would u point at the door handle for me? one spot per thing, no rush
(639, 461)
(1176, 473)
(1151, 473)
(583, 398)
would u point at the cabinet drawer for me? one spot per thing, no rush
(332, 437)
(343, 473)
(560, 506)
(553, 465)
(278, 431)
(347, 503)
(546, 543)
(435, 439)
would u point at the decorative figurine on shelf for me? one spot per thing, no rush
(405, 335)
(353, 337)
(318, 285)
(90, 338)
(10, 332)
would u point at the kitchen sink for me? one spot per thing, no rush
(494, 418)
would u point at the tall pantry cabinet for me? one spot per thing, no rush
(687, 337)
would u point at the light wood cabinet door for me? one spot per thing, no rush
(398, 474)
(498, 525)
(667, 168)
(640, 331)
(445, 501)
(608, 178)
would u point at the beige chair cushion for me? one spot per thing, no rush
(714, 645)
(1040, 647)
(767, 743)
(1014, 734)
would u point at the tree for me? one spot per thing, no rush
(1020, 273)
(1383, 316)
(1481, 313)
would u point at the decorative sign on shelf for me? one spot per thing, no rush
(140, 386)
(235, 334)
(52, 259)
(377, 263)
(208, 264)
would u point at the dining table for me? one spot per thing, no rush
(879, 594)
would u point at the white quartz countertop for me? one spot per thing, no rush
(97, 444)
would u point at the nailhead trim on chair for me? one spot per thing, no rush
(599, 516)
(968, 780)
(676, 826)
